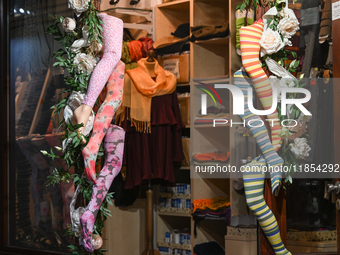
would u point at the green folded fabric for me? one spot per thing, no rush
(240, 22)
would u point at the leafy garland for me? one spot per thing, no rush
(281, 57)
(76, 81)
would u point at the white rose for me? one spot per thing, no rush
(78, 6)
(75, 215)
(284, 133)
(85, 63)
(297, 131)
(287, 82)
(270, 42)
(288, 26)
(68, 25)
(99, 47)
(73, 103)
(287, 42)
(300, 148)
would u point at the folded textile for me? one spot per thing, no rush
(139, 89)
(213, 203)
(201, 121)
(211, 110)
(209, 32)
(211, 163)
(212, 157)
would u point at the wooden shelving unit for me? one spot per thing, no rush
(213, 60)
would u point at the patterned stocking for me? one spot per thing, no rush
(242, 81)
(112, 40)
(114, 148)
(253, 186)
(103, 119)
(250, 37)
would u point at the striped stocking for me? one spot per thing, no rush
(250, 37)
(253, 186)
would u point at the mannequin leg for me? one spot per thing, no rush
(260, 134)
(103, 119)
(114, 148)
(112, 40)
(254, 186)
(250, 37)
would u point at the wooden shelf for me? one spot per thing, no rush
(174, 245)
(211, 126)
(175, 195)
(178, 4)
(215, 41)
(183, 84)
(174, 214)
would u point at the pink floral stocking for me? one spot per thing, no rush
(113, 148)
(114, 91)
(112, 40)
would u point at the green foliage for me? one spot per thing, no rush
(246, 4)
(73, 145)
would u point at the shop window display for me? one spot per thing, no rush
(48, 211)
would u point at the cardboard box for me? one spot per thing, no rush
(178, 65)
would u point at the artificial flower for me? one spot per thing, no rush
(300, 148)
(85, 63)
(75, 216)
(78, 6)
(97, 242)
(287, 83)
(297, 131)
(287, 42)
(270, 42)
(284, 133)
(99, 47)
(73, 102)
(82, 42)
(68, 25)
(288, 26)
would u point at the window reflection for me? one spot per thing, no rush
(42, 212)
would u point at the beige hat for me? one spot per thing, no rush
(168, 40)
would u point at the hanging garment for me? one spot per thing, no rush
(151, 117)
(139, 88)
(152, 155)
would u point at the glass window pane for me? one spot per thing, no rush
(41, 212)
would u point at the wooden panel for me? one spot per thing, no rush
(209, 60)
(211, 13)
(167, 20)
(210, 230)
(209, 188)
(234, 59)
(124, 232)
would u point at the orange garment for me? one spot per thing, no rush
(213, 204)
(139, 88)
(214, 156)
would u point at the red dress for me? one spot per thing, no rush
(150, 156)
